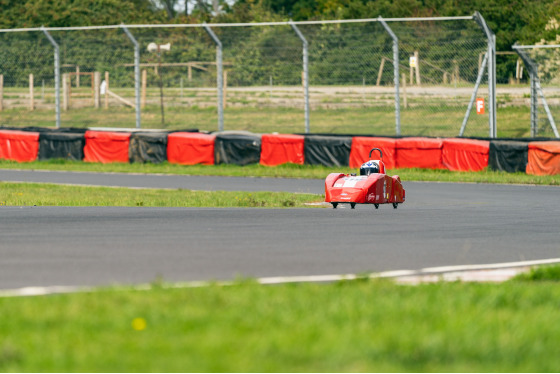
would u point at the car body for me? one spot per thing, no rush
(373, 186)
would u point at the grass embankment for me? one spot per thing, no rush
(282, 171)
(354, 326)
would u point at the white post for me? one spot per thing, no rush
(144, 85)
(380, 73)
(65, 91)
(31, 98)
(417, 68)
(106, 90)
(96, 94)
(405, 102)
(1, 92)
(225, 88)
(181, 83)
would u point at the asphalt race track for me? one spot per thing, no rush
(439, 224)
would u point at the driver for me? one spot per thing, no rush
(370, 167)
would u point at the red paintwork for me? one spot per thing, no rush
(373, 189)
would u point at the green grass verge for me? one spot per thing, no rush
(39, 194)
(281, 171)
(541, 274)
(358, 326)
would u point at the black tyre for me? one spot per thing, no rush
(352, 205)
(334, 205)
(395, 205)
(376, 206)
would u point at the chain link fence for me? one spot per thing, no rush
(26, 65)
(407, 76)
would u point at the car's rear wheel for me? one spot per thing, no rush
(376, 206)
(352, 205)
(334, 205)
(395, 205)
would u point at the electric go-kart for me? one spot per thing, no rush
(372, 186)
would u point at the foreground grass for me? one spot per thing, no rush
(28, 194)
(281, 171)
(358, 326)
(541, 273)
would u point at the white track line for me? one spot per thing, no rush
(39, 291)
(445, 269)
(467, 273)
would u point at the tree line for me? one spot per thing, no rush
(523, 21)
(260, 56)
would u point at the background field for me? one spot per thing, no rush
(338, 110)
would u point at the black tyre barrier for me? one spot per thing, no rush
(509, 156)
(327, 150)
(236, 148)
(65, 145)
(148, 147)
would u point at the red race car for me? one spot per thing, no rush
(372, 186)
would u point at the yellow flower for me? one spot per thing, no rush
(139, 324)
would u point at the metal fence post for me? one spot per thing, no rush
(396, 75)
(494, 95)
(546, 108)
(136, 74)
(56, 75)
(492, 118)
(534, 103)
(473, 97)
(305, 73)
(536, 89)
(533, 76)
(220, 78)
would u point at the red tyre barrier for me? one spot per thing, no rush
(544, 158)
(279, 149)
(425, 153)
(189, 148)
(361, 146)
(21, 146)
(105, 146)
(465, 154)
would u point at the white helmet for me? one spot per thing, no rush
(370, 167)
